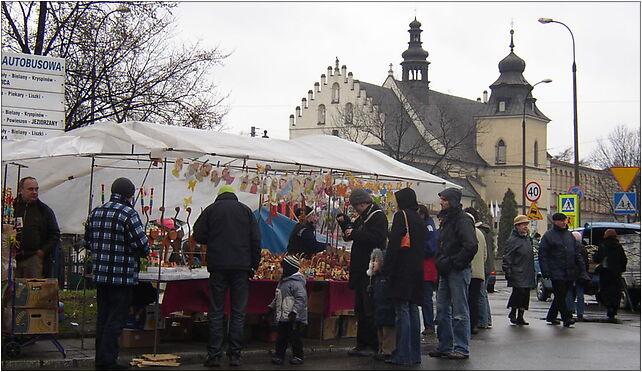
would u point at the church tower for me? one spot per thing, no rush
(415, 65)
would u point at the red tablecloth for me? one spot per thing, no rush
(193, 296)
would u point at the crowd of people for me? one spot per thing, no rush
(393, 271)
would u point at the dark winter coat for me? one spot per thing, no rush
(457, 243)
(404, 266)
(303, 241)
(559, 255)
(369, 231)
(384, 308)
(40, 229)
(231, 233)
(518, 261)
(614, 253)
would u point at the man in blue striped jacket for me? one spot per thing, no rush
(116, 237)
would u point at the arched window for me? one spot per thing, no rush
(501, 152)
(335, 93)
(349, 113)
(535, 153)
(321, 114)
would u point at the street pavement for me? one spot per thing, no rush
(590, 345)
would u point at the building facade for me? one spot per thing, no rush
(474, 143)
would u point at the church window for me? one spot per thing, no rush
(321, 115)
(335, 93)
(501, 152)
(349, 113)
(535, 159)
(502, 106)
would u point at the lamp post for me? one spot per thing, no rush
(122, 9)
(546, 81)
(575, 136)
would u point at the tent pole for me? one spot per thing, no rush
(84, 277)
(4, 194)
(157, 306)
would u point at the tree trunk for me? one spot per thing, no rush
(42, 22)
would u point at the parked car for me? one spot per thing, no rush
(592, 233)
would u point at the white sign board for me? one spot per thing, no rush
(33, 96)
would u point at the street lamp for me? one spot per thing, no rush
(546, 81)
(122, 9)
(575, 136)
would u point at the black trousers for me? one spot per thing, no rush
(289, 333)
(113, 308)
(364, 309)
(474, 291)
(560, 288)
(238, 283)
(610, 293)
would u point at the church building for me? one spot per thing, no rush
(474, 143)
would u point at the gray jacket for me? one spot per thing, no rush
(518, 262)
(291, 296)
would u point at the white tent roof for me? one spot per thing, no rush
(62, 164)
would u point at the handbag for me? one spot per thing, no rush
(405, 240)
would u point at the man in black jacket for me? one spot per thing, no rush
(561, 261)
(456, 248)
(367, 232)
(37, 232)
(231, 234)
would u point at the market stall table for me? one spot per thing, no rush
(194, 295)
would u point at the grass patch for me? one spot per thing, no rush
(73, 301)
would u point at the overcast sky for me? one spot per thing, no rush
(279, 50)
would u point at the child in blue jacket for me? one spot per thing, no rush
(290, 306)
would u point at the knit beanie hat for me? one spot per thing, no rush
(124, 187)
(453, 196)
(224, 189)
(358, 196)
(290, 265)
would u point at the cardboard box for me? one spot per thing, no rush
(36, 321)
(131, 338)
(143, 317)
(37, 293)
(348, 326)
(322, 328)
(178, 328)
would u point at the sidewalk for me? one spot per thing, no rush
(44, 355)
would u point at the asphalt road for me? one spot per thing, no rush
(590, 345)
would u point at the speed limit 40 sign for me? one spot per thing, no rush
(533, 191)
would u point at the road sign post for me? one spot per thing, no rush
(625, 203)
(533, 192)
(569, 205)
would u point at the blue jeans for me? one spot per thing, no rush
(408, 337)
(485, 319)
(427, 307)
(453, 317)
(576, 292)
(238, 283)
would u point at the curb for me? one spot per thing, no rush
(189, 357)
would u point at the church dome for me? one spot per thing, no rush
(413, 53)
(512, 63)
(415, 23)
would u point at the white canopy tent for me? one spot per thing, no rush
(63, 165)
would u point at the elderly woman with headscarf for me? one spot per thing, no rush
(612, 263)
(519, 267)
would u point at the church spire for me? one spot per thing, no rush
(415, 65)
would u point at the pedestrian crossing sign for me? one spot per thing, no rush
(568, 204)
(625, 202)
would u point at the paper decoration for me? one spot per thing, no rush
(191, 184)
(178, 166)
(244, 180)
(214, 177)
(187, 202)
(203, 171)
(254, 188)
(225, 175)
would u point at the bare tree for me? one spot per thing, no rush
(120, 61)
(398, 131)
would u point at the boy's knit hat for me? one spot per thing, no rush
(290, 265)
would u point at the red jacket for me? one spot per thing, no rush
(430, 270)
